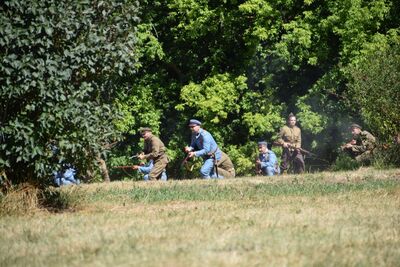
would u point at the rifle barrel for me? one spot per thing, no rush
(123, 167)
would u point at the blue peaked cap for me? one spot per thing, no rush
(194, 122)
(262, 143)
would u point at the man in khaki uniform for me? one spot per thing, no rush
(154, 149)
(361, 146)
(225, 166)
(290, 140)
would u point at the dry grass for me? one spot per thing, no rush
(22, 200)
(337, 228)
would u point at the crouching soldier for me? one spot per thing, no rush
(66, 176)
(266, 163)
(146, 168)
(216, 164)
(361, 146)
(153, 149)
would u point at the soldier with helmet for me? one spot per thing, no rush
(361, 146)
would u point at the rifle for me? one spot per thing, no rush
(258, 165)
(133, 167)
(302, 150)
(308, 153)
(134, 156)
(185, 161)
(216, 164)
(352, 142)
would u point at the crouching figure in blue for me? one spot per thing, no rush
(266, 163)
(66, 176)
(146, 168)
(216, 164)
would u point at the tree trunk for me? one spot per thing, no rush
(103, 168)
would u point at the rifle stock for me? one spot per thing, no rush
(133, 167)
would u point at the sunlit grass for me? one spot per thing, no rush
(328, 219)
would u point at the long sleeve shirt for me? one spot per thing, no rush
(364, 141)
(145, 169)
(153, 148)
(204, 145)
(268, 159)
(290, 135)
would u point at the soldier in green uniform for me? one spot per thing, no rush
(290, 140)
(361, 146)
(154, 149)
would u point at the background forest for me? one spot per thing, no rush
(85, 75)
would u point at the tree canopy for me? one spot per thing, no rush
(84, 74)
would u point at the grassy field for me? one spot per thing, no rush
(322, 219)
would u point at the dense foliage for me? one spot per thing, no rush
(375, 91)
(62, 66)
(68, 70)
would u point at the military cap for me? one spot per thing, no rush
(262, 143)
(194, 122)
(354, 125)
(144, 129)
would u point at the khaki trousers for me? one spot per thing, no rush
(159, 166)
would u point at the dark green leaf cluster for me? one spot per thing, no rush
(63, 64)
(374, 91)
(77, 74)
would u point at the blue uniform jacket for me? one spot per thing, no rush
(268, 159)
(145, 169)
(204, 144)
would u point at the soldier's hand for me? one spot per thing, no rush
(141, 156)
(191, 154)
(187, 149)
(349, 145)
(285, 144)
(135, 167)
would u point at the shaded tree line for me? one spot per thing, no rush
(88, 74)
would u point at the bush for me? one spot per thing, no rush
(63, 198)
(344, 163)
(374, 91)
(63, 64)
(387, 156)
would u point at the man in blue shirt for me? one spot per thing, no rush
(146, 168)
(203, 145)
(266, 163)
(66, 176)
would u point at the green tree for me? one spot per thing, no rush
(63, 65)
(374, 91)
(288, 55)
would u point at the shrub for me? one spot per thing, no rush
(63, 64)
(375, 91)
(344, 162)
